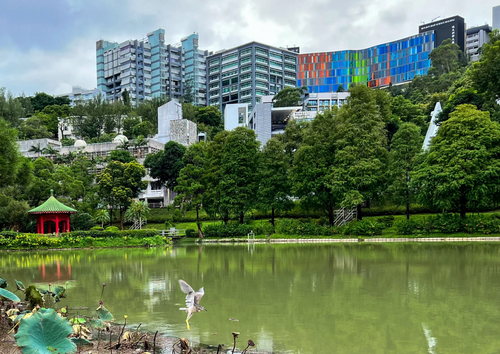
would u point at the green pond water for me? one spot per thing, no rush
(360, 298)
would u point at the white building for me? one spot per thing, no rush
(433, 127)
(172, 127)
(476, 38)
(496, 17)
(79, 95)
(236, 115)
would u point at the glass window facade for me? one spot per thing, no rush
(395, 62)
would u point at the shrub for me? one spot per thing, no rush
(97, 228)
(387, 220)
(364, 228)
(229, 230)
(406, 227)
(112, 228)
(191, 233)
(81, 221)
(304, 228)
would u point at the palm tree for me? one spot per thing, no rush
(101, 216)
(137, 211)
(36, 149)
(139, 143)
(49, 150)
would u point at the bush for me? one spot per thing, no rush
(387, 220)
(81, 221)
(97, 228)
(229, 230)
(305, 228)
(406, 227)
(191, 233)
(364, 228)
(112, 228)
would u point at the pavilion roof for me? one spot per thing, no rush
(51, 206)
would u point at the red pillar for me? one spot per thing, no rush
(41, 225)
(67, 220)
(57, 224)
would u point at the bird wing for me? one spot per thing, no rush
(190, 297)
(198, 295)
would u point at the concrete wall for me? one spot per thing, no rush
(232, 117)
(167, 113)
(262, 122)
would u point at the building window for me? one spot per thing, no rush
(155, 185)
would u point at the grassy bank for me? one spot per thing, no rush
(34, 241)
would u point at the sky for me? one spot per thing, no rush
(49, 46)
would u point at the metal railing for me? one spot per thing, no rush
(173, 232)
(343, 216)
(138, 225)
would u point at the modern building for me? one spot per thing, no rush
(167, 66)
(80, 95)
(236, 115)
(195, 69)
(246, 73)
(496, 17)
(124, 66)
(172, 127)
(319, 102)
(449, 28)
(476, 38)
(395, 62)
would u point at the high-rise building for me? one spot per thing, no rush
(195, 70)
(496, 17)
(246, 73)
(476, 38)
(449, 28)
(167, 66)
(124, 66)
(395, 62)
(82, 95)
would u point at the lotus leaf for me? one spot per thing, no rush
(24, 314)
(34, 297)
(59, 293)
(3, 283)
(104, 314)
(97, 324)
(81, 342)
(9, 295)
(77, 320)
(45, 333)
(20, 286)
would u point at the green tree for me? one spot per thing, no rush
(210, 115)
(10, 108)
(274, 185)
(239, 165)
(42, 100)
(312, 165)
(123, 156)
(190, 184)
(213, 174)
(165, 165)
(341, 88)
(144, 129)
(9, 154)
(33, 128)
(37, 149)
(138, 212)
(406, 144)
(289, 97)
(360, 149)
(404, 110)
(446, 58)
(101, 216)
(461, 169)
(119, 183)
(189, 111)
(463, 96)
(126, 98)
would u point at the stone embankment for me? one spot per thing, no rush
(354, 240)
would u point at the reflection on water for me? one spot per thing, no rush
(318, 298)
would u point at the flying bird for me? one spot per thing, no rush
(192, 300)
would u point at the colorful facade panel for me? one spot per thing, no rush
(396, 62)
